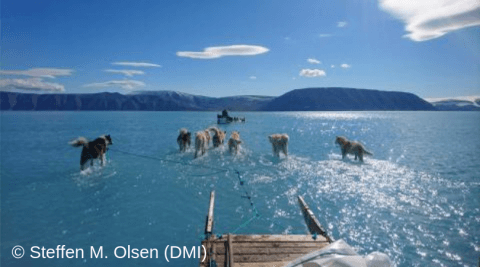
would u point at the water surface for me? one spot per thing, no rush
(417, 199)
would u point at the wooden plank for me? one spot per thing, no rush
(272, 241)
(258, 264)
(214, 251)
(275, 245)
(209, 224)
(313, 224)
(262, 264)
(266, 258)
(270, 246)
(272, 238)
(230, 251)
(207, 245)
(271, 251)
(259, 258)
(279, 244)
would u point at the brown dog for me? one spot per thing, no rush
(201, 142)
(184, 139)
(351, 147)
(218, 136)
(234, 142)
(279, 143)
(208, 137)
(92, 150)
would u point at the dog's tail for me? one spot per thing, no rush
(81, 141)
(214, 129)
(366, 152)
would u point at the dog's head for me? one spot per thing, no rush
(340, 140)
(235, 135)
(108, 139)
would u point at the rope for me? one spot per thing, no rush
(169, 160)
(219, 170)
(247, 196)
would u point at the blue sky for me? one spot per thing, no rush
(224, 48)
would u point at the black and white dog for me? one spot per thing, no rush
(92, 150)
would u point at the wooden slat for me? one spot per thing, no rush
(272, 244)
(269, 245)
(258, 264)
(259, 258)
(272, 238)
(214, 250)
(263, 264)
(313, 224)
(207, 245)
(209, 224)
(270, 251)
(231, 254)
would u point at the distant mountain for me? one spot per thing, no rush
(100, 101)
(461, 103)
(311, 99)
(148, 101)
(197, 102)
(346, 99)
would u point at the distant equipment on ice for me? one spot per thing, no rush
(224, 118)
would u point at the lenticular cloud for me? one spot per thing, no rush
(312, 73)
(430, 19)
(124, 84)
(136, 64)
(220, 51)
(39, 72)
(129, 73)
(31, 84)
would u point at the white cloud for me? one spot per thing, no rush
(39, 72)
(220, 51)
(471, 98)
(313, 61)
(253, 77)
(324, 35)
(341, 24)
(429, 19)
(30, 84)
(136, 64)
(312, 73)
(129, 73)
(124, 84)
(345, 66)
(332, 66)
